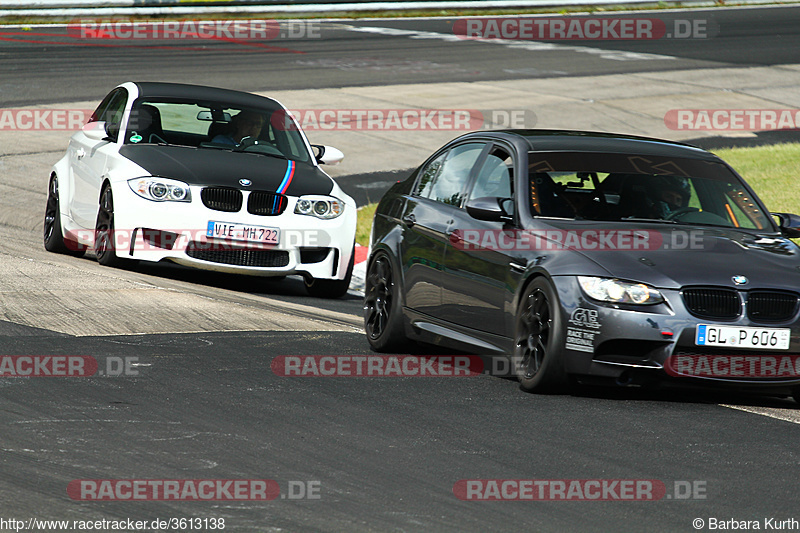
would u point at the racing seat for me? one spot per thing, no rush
(146, 122)
(551, 204)
(217, 128)
(634, 198)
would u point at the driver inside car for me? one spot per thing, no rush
(670, 193)
(243, 125)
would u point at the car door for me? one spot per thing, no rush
(478, 280)
(89, 157)
(437, 196)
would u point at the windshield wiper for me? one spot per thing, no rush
(271, 154)
(654, 220)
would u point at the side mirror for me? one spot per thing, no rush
(327, 155)
(96, 130)
(488, 208)
(789, 224)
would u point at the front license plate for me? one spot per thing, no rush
(741, 337)
(242, 232)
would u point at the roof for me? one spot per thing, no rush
(204, 94)
(588, 141)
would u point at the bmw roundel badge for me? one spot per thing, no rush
(739, 280)
(245, 182)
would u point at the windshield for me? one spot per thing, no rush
(612, 187)
(215, 126)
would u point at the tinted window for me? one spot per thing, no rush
(111, 110)
(611, 187)
(496, 175)
(445, 178)
(428, 176)
(113, 96)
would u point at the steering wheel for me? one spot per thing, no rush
(250, 144)
(680, 212)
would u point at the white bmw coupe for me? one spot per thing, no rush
(205, 177)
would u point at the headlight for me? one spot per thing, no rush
(161, 189)
(321, 207)
(616, 291)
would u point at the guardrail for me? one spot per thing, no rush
(76, 8)
(337, 4)
(29, 8)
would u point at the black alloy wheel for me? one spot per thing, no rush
(538, 347)
(383, 320)
(54, 240)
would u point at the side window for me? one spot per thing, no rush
(445, 178)
(428, 177)
(496, 175)
(111, 110)
(102, 107)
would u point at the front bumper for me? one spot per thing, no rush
(178, 232)
(630, 344)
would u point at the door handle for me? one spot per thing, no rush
(454, 237)
(80, 153)
(517, 267)
(409, 219)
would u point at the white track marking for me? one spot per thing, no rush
(533, 46)
(787, 415)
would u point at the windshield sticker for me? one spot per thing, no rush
(135, 138)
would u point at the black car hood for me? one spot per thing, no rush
(682, 255)
(224, 168)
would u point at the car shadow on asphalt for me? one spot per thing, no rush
(666, 391)
(283, 288)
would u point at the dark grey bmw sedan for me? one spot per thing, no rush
(589, 257)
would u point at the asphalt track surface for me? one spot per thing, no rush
(385, 453)
(45, 65)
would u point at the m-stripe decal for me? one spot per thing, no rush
(287, 178)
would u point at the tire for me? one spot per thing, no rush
(383, 317)
(104, 242)
(539, 338)
(54, 240)
(331, 288)
(796, 394)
